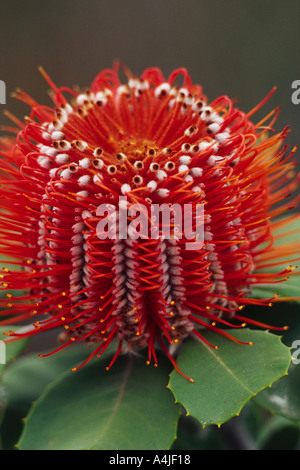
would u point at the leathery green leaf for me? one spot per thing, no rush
(225, 379)
(127, 407)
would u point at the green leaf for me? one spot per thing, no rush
(127, 407)
(283, 397)
(25, 380)
(290, 287)
(2, 402)
(225, 379)
(192, 436)
(8, 351)
(279, 434)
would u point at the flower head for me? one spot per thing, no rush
(147, 142)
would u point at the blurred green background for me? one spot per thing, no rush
(241, 49)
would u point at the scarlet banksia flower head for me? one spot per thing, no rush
(150, 142)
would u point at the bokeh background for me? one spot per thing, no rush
(241, 49)
(231, 47)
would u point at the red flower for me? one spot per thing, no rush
(151, 142)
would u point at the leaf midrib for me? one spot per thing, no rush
(123, 384)
(223, 364)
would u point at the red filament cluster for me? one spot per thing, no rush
(149, 141)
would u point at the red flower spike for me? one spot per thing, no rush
(147, 142)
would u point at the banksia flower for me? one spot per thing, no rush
(145, 143)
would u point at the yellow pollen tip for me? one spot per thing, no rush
(207, 307)
(176, 340)
(8, 295)
(213, 323)
(4, 284)
(63, 294)
(101, 297)
(62, 318)
(9, 305)
(172, 302)
(147, 362)
(270, 304)
(101, 320)
(28, 261)
(251, 343)
(72, 339)
(192, 381)
(155, 365)
(243, 325)
(285, 327)
(107, 368)
(60, 306)
(66, 327)
(74, 368)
